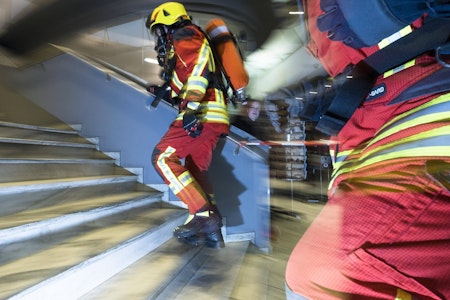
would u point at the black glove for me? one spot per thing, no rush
(153, 89)
(192, 122)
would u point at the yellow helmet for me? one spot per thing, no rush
(167, 14)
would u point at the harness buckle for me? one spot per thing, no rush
(443, 55)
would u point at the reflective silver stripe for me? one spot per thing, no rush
(218, 30)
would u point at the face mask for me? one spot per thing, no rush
(160, 34)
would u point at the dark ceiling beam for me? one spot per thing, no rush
(61, 18)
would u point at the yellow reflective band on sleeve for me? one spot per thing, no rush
(197, 83)
(402, 295)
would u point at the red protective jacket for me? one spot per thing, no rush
(384, 232)
(193, 73)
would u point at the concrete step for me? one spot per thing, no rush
(45, 142)
(177, 271)
(67, 264)
(23, 149)
(29, 188)
(36, 221)
(39, 133)
(45, 169)
(74, 223)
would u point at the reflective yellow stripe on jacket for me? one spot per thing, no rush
(214, 111)
(432, 142)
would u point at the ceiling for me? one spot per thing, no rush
(113, 30)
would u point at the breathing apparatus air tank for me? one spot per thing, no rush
(229, 55)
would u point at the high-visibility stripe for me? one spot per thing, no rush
(435, 137)
(185, 178)
(220, 98)
(203, 59)
(197, 83)
(392, 38)
(442, 102)
(215, 112)
(434, 142)
(399, 68)
(176, 81)
(443, 151)
(403, 137)
(174, 184)
(401, 152)
(196, 80)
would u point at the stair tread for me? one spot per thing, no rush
(95, 239)
(182, 270)
(153, 271)
(217, 275)
(61, 208)
(85, 179)
(38, 127)
(22, 160)
(47, 142)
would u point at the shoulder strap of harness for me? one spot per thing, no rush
(353, 92)
(219, 78)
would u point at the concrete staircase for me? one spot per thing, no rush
(75, 225)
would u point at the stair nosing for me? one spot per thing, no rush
(46, 143)
(34, 229)
(77, 280)
(8, 188)
(56, 161)
(38, 128)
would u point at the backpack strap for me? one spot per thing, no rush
(354, 91)
(220, 78)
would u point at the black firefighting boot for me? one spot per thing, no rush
(205, 220)
(213, 205)
(210, 240)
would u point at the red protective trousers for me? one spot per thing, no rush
(378, 234)
(189, 182)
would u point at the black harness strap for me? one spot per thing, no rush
(355, 90)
